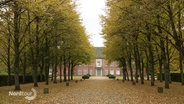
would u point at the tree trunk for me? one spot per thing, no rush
(69, 70)
(52, 76)
(127, 75)
(147, 65)
(42, 67)
(124, 74)
(165, 67)
(47, 64)
(180, 43)
(168, 58)
(181, 67)
(151, 58)
(123, 60)
(142, 72)
(35, 55)
(46, 72)
(178, 39)
(34, 68)
(139, 65)
(151, 63)
(55, 70)
(24, 67)
(8, 60)
(136, 64)
(160, 65)
(64, 68)
(35, 76)
(130, 66)
(16, 46)
(72, 72)
(34, 73)
(160, 69)
(162, 48)
(60, 68)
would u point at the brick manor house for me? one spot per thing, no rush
(99, 67)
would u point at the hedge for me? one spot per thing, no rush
(111, 76)
(175, 77)
(85, 77)
(28, 79)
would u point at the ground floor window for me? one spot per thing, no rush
(112, 71)
(117, 71)
(79, 72)
(91, 72)
(106, 72)
(85, 71)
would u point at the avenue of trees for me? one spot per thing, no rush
(36, 35)
(145, 37)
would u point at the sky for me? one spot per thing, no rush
(90, 11)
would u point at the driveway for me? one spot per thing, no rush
(98, 90)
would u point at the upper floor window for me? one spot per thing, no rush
(98, 62)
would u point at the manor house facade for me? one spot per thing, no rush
(99, 67)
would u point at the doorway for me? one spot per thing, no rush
(98, 72)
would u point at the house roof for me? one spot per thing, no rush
(99, 53)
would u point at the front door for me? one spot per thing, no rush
(99, 72)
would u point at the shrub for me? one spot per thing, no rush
(175, 77)
(28, 79)
(85, 77)
(108, 75)
(88, 75)
(4, 80)
(112, 76)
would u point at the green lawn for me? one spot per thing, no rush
(77, 77)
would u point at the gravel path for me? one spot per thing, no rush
(93, 92)
(98, 90)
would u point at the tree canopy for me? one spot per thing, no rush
(145, 31)
(37, 33)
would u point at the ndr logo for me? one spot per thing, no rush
(28, 95)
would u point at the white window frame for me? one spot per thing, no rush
(106, 71)
(118, 71)
(79, 72)
(112, 71)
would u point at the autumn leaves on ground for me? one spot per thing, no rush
(98, 91)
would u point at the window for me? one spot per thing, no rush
(112, 71)
(79, 72)
(106, 72)
(85, 71)
(98, 62)
(117, 71)
(91, 72)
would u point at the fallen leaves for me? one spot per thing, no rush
(99, 92)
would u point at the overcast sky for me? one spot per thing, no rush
(90, 11)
